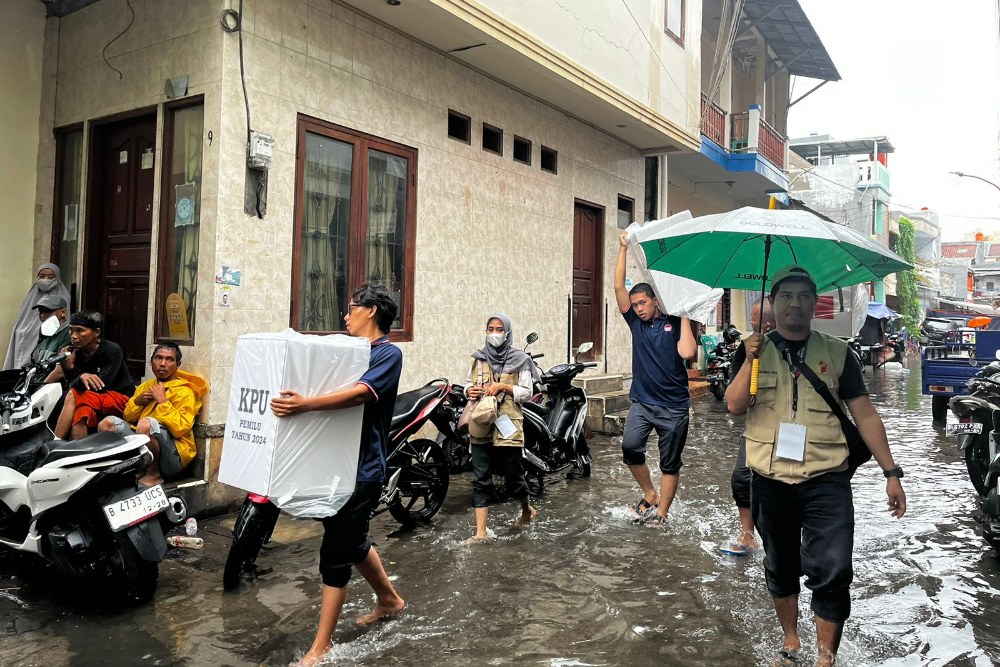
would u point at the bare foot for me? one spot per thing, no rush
(524, 519)
(749, 541)
(312, 658)
(383, 611)
(476, 539)
(150, 480)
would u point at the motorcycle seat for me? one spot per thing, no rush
(409, 405)
(537, 408)
(92, 444)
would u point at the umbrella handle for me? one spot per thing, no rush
(754, 375)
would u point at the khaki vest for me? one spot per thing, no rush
(826, 447)
(507, 407)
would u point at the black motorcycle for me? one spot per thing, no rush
(978, 424)
(415, 488)
(719, 366)
(555, 432)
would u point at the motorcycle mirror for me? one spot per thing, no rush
(532, 337)
(585, 347)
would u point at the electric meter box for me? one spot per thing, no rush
(307, 463)
(261, 150)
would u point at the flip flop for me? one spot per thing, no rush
(785, 657)
(735, 549)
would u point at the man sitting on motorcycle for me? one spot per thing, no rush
(99, 381)
(163, 408)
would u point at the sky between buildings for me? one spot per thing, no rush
(927, 76)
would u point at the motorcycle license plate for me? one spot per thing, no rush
(123, 513)
(967, 427)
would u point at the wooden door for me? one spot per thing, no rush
(588, 308)
(119, 230)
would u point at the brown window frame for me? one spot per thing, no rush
(55, 256)
(165, 246)
(666, 12)
(358, 235)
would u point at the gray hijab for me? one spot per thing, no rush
(24, 337)
(506, 358)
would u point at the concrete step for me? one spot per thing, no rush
(698, 388)
(601, 384)
(599, 405)
(609, 424)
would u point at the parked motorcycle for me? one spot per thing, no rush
(719, 366)
(415, 487)
(554, 427)
(77, 504)
(978, 423)
(454, 443)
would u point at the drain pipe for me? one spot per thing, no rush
(569, 328)
(605, 335)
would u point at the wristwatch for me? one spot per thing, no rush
(895, 472)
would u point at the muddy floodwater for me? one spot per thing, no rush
(582, 586)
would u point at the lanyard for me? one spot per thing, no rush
(787, 353)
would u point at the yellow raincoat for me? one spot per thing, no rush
(177, 413)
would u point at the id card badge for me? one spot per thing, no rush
(792, 441)
(505, 426)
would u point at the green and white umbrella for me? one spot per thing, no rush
(742, 249)
(739, 249)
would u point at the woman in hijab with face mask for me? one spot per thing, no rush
(24, 338)
(507, 373)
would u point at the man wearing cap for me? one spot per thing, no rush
(797, 452)
(99, 381)
(54, 332)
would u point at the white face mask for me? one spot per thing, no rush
(50, 325)
(496, 339)
(46, 284)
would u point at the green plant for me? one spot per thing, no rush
(906, 281)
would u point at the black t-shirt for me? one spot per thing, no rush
(852, 379)
(108, 363)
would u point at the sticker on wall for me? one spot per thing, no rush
(228, 276)
(224, 295)
(147, 159)
(186, 196)
(122, 157)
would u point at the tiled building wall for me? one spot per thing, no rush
(491, 234)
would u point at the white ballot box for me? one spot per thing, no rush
(307, 463)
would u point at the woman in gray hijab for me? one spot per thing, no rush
(24, 338)
(500, 370)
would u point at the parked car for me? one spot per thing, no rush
(941, 330)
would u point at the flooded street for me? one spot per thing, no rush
(582, 586)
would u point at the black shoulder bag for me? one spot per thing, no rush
(857, 451)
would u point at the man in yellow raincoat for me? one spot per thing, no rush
(163, 408)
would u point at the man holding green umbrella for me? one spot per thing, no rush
(796, 447)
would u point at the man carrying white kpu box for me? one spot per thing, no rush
(370, 315)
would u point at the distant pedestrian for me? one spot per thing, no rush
(795, 445)
(740, 480)
(660, 396)
(499, 369)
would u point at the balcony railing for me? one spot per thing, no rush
(765, 140)
(713, 121)
(740, 130)
(772, 145)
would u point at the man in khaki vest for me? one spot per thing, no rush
(795, 446)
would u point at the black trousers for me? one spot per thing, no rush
(740, 480)
(505, 461)
(808, 529)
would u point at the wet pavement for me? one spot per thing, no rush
(580, 587)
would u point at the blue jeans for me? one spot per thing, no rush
(808, 529)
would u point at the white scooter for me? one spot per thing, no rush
(77, 503)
